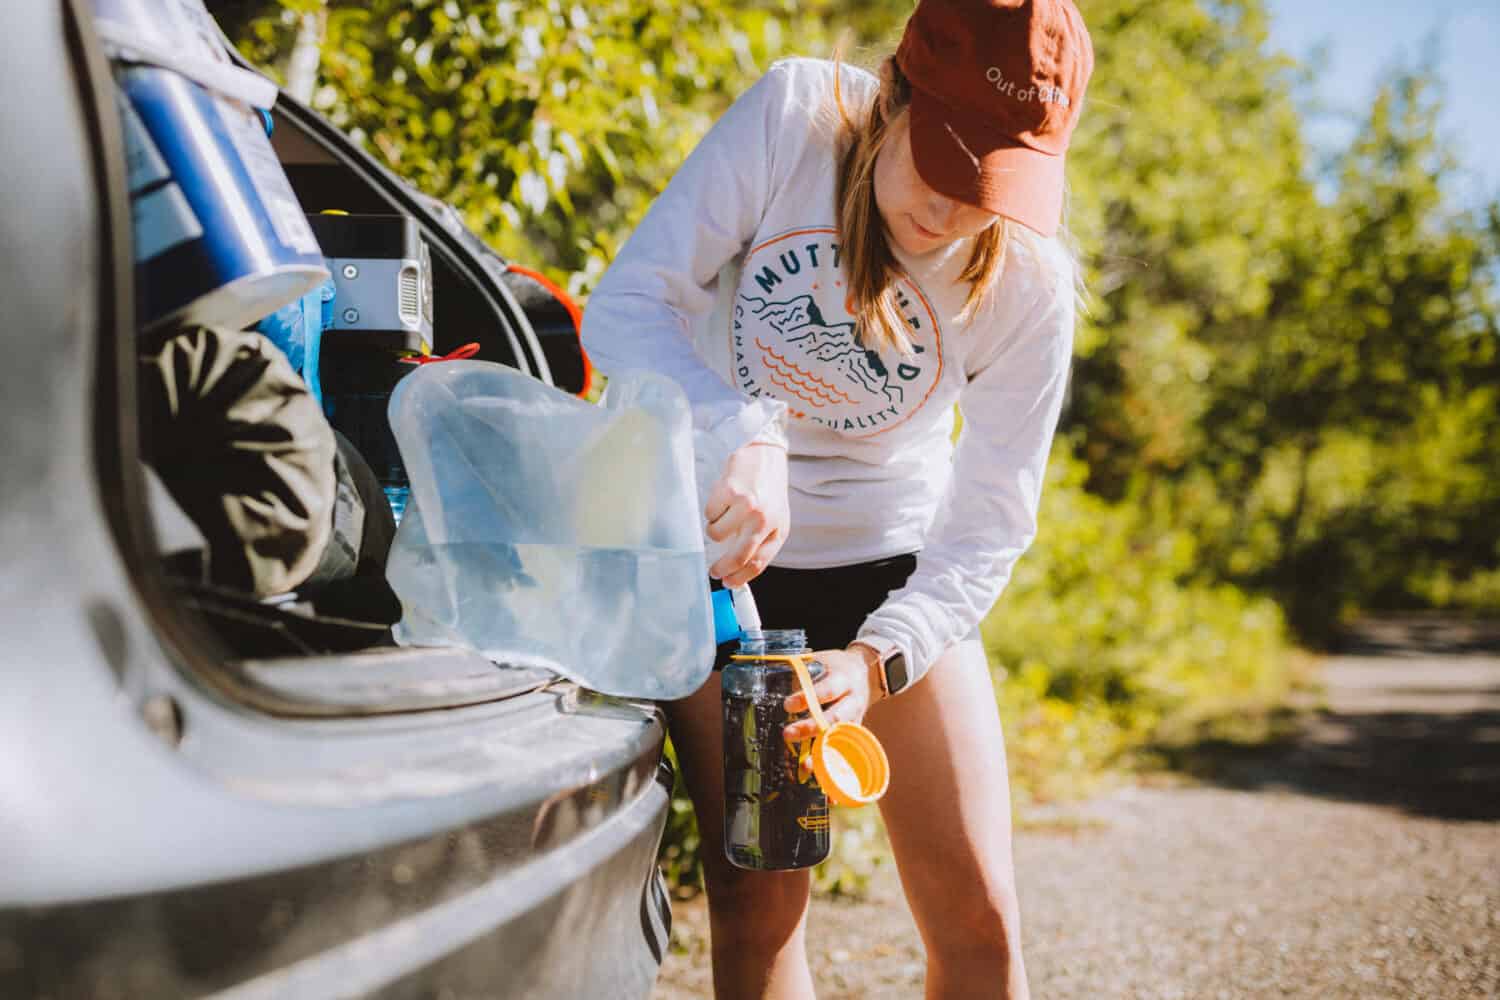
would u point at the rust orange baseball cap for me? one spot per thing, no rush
(997, 86)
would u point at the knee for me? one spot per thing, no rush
(966, 904)
(980, 925)
(749, 906)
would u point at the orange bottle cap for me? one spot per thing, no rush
(850, 763)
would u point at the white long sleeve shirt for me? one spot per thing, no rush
(732, 285)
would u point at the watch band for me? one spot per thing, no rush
(893, 667)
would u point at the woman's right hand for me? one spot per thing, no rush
(747, 511)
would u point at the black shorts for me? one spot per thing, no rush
(830, 605)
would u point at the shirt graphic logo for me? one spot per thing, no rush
(793, 340)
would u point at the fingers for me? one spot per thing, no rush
(726, 511)
(746, 513)
(719, 500)
(740, 521)
(754, 543)
(756, 557)
(832, 692)
(735, 517)
(844, 710)
(829, 689)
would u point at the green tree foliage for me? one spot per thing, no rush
(1365, 416)
(1107, 636)
(550, 126)
(1349, 423)
(1189, 185)
(1306, 382)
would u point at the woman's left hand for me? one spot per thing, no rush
(846, 691)
(747, 512)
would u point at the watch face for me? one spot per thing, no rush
(895, 673)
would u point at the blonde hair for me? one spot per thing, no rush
(870, 264)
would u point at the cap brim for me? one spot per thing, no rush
(969, 162)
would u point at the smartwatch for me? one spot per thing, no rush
(893, 666)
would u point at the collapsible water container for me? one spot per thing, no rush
(549, 531)
(220, 238)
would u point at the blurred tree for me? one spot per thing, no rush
(1189, 182)
(550, 126)
(1362, 408)
(1304, 384)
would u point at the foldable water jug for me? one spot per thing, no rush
(545, 530)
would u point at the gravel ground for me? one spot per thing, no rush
(1360, 859)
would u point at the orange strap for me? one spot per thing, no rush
(466, 351)
(574, 313)
(799, 664)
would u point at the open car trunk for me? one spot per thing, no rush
(182, 817)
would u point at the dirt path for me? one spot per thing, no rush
(1360, 859)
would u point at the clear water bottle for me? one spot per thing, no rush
(356, 385)
(397, 497)
(775, 813)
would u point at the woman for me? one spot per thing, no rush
(843, 259)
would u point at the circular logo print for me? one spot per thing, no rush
(793, 340)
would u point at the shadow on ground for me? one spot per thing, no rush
(1411, 720)
(1422, 635)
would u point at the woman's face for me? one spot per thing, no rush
(918, 218)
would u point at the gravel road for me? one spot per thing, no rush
(1358, 859)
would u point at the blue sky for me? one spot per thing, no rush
(1365, 39)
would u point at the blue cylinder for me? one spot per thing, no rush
(220, 238)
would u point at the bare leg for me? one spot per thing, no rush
(757, 920)
(948, 815)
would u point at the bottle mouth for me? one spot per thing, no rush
(785, 640)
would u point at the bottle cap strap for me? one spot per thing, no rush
(799, 666)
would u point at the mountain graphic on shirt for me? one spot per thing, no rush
(802, 327)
